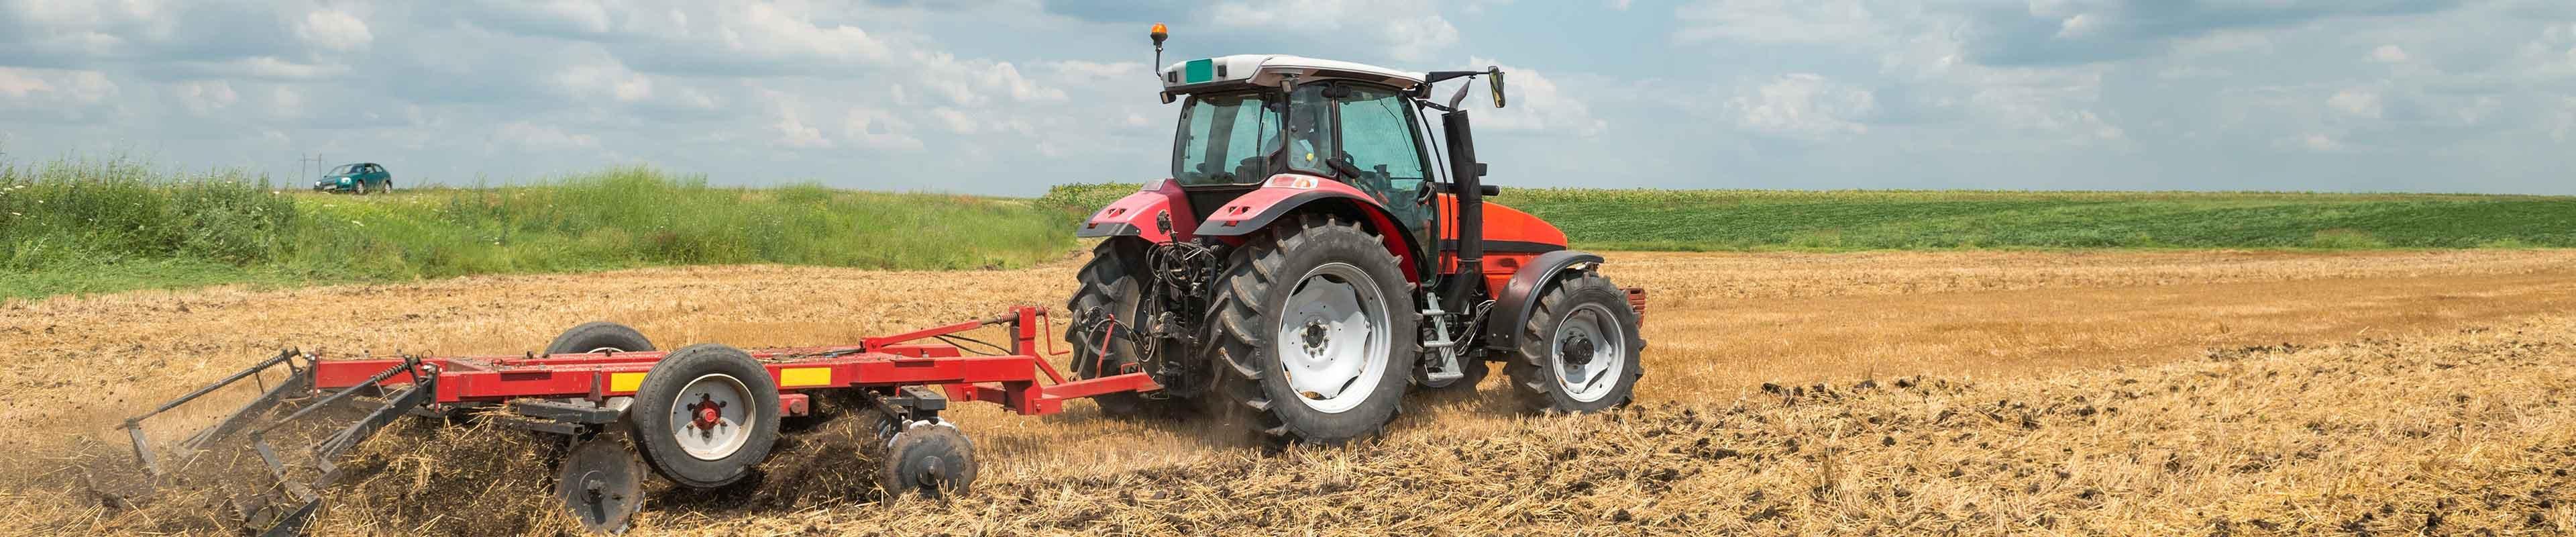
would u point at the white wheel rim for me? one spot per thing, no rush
(727, 431)
(1589, 352)
(1331, 340)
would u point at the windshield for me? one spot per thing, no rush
(1236, 138)
(344, 169)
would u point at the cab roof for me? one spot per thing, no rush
(1227, 72)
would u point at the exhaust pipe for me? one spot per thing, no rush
(1467, 180)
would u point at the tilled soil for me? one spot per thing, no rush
(1739, 345)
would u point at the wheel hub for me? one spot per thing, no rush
(1577, 349)
(709, 412)
(706, 419)
(1314, 335)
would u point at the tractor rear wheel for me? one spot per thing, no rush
(1579, 351)
(1110, 282)
(1314, 331)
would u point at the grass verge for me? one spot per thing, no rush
(100, 226)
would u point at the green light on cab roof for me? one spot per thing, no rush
(1198, 71)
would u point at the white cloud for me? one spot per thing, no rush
(206, 96)
(335, 30)
(767, 29)
(1419, 38)
(18, 83)
(878, 129)
(524, 135)
(1780, 21)
(1116, 71)
(973, 81)
(2388, 54)
(56, 86)
(269, 67)
(2320, 142)
(2081, 25)
(795, 133)
(604, 77)
(1410, 31)
(1803, 106)
(1535, 103)
(956, 121)
(2356, 102)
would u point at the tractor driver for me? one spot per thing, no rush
(1304, 139)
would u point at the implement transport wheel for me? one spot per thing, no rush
(1314, 331)
(930, 458)
(601, 483)
(705, 415)
(1578, 352)
(599, 336)
(1109, 283)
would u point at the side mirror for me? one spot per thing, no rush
(1494, 81)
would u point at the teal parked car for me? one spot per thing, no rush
(359, 178)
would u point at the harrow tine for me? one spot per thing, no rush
(350, 435)
(394, 408)
(296, 383)
(133, 426)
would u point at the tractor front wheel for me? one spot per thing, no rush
(1110, 286)
(1315, 332)
(1579, 351)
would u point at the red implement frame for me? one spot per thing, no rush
(878, 362)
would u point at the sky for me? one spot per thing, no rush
(1009, 96)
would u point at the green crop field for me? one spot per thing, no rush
(1873, 220)
(1700, 220)
(85, 227)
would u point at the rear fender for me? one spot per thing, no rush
(1516, 300)
(1135, 215)
(1289, 193)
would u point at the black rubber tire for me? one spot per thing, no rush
(599, 335)
(1248, 304)
(656, 397)
(911, 458)
(1534, 382)
(1109, 280)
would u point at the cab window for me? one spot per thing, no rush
(1378, 139)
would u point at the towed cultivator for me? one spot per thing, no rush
(701, 416)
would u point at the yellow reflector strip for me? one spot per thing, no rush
(805, 376)
(624, 382)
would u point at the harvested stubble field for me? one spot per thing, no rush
(1959, 392)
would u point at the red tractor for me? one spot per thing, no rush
(1321, 247)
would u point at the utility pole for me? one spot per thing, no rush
(315, 159)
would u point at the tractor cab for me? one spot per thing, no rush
(1249, 117)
